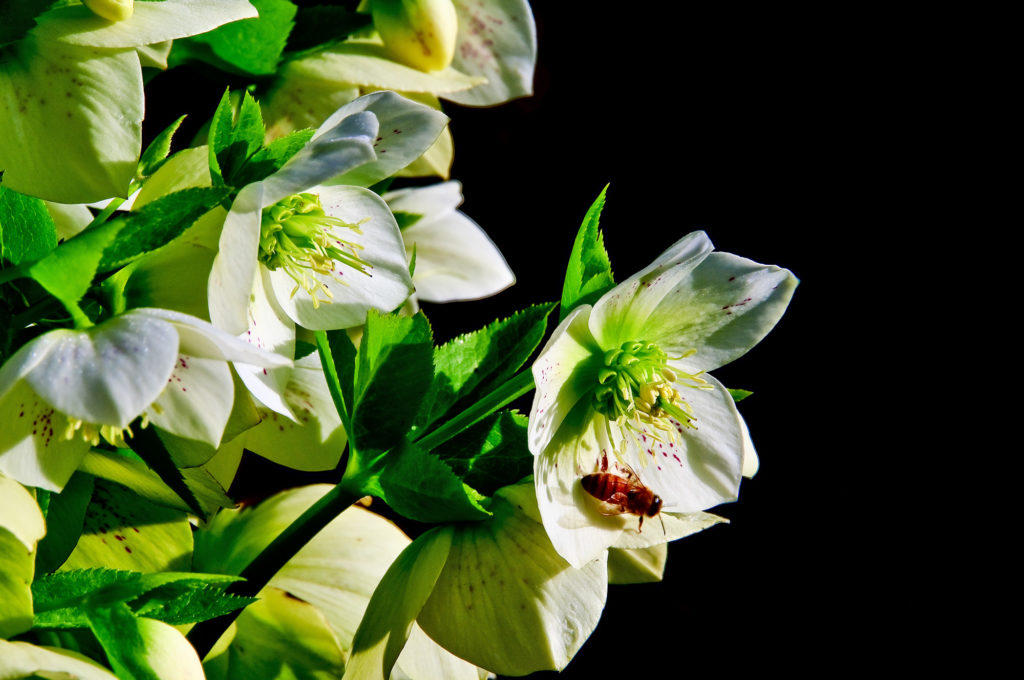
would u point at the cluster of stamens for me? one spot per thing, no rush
(298, 237)
(637, 390)
(91, 432)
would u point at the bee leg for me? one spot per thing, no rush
(640, 527)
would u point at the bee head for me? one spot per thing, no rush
(655, 506)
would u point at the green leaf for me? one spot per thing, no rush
(117, 629)
(406, 219)
(68, 271)
(64, 521)
(159, 222)
(64, 599)
(474, 364)
(234, 139)
(491, 454)
(589, 274)
(342, 377)
(147, 444)
(394, 370)
(27, 231)
(253, 46)
(739, 395)
(271, 158)
(422, 487)
(323, 24)
(156, 153)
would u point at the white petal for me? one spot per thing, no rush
(22, 660)
(110, 373)
(336, 149)
(295, 103)
(317, 440)
(557, 394)
(19, 514)
(750, 460)
(388, 284)
(166, 648)
(367, 65)
(498, 40)
(434, 200)
(155, 55)
(197, 401)
(69, 219)
(184, 170)
(506, 601)
(723, 307)
(571, 517)
(407, 129)
(202, 339)
(151, 22)
(624, 313)
(270, 330)
(81, 105)
(667, 526)
(701, 468)
(234, 269)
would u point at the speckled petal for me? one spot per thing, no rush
(498, 40)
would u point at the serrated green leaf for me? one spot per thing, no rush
(156, 153)
(159, 222)
(344, 355)
(220, 135)
(395, 367)
(64, 599)
(491, 454)
(739, 395)
(64, 521)
(589, 273)
(253, 46)
(271, 158)
(180, 603)
(27, 231)
(422, 487)
(67, 271)
(473, 364)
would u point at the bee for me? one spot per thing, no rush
(622, 493)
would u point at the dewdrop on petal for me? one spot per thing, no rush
(418, 33)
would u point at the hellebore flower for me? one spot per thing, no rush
(455, 259)
(622, 389)
(64, 389)
(71, 99)
(309, 245)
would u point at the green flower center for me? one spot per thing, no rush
(298, 237)
(637, 389)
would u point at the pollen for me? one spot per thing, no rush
(298, 237)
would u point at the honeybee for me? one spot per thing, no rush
(622, 493)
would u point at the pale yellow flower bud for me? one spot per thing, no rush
(418, 33)
(112, 10)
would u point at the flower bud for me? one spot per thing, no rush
(418, 33)
(112, 10)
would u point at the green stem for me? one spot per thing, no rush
(504, 395)
(36, 312)
(270, 560)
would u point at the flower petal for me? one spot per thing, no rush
(701, 468)
(623, 314)
(367, 65)
(82, 105)
(498, 40)
(750, 460)
(108, 374)
(197, 401)
(317, 440)
(407, 129)
(22, 660)
(506, 601)
(69, 218)
(151, 22)
(723, 307)
(271, 330)
(667, 526)
(21, 528)
(388, 284)
(336, 149)
(234, 269)
(202, 339)
(555, 373)
(455, 259)
(435, 200)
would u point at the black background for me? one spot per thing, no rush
(753, 125)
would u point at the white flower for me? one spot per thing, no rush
(308, 245)
(455, 259)
(622, 386)
(65, 388)
(71, 98)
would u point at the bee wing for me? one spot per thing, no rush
(616, 504)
